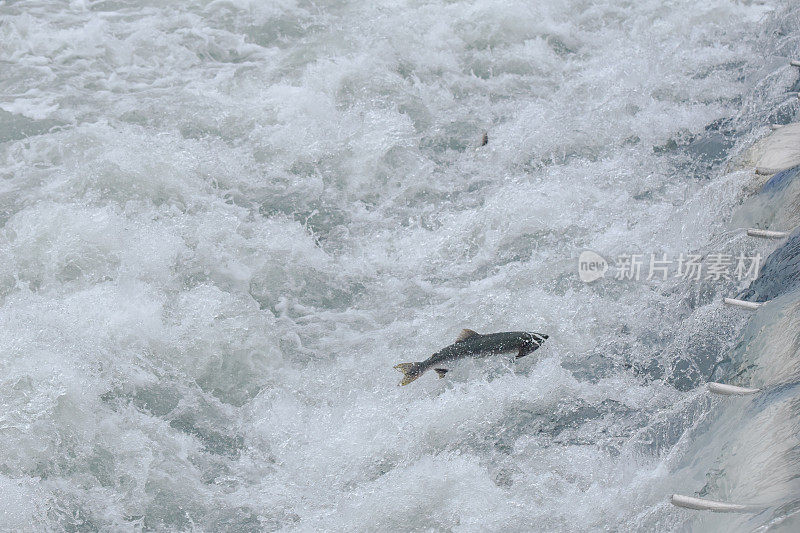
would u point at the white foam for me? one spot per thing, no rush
(237, 217)
(778, 151)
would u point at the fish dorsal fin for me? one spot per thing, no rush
(465, 334)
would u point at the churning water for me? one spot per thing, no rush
(223, 222)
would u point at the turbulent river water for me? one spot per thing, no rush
(222, 223)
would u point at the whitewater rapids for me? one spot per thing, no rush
(223, 223)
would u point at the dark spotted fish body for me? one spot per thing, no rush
(472, 344)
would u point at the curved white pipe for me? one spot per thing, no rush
(766, 234)
(741, 303)
(700, 504)
(730, 390)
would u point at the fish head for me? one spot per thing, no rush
(530, 341)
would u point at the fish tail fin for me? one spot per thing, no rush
(411, 371)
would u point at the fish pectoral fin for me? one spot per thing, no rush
(465, 334)
(522, 353)
(440, 372)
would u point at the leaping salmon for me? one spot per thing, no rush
(472, 344)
